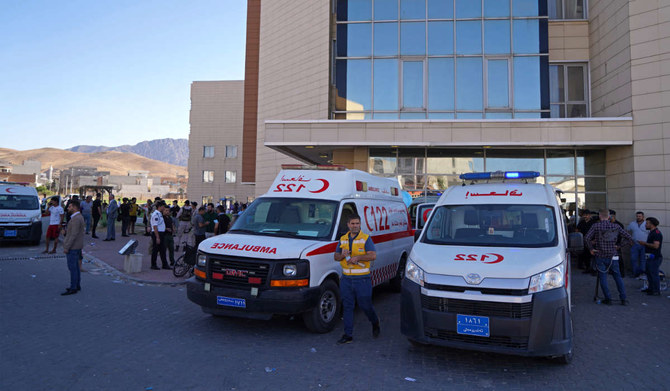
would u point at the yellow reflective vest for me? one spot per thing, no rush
(357, 248)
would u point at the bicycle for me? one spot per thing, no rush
(186, 262)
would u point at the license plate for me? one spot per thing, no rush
(10, 233)
(231, 302)
(472, 325)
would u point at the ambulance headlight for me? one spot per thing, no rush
(36, 219)
(550, 279)
(413, 272)
(290, 270)
(202, 260)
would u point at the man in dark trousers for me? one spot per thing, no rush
(652, 248)
(74, 242)
(606, 234)
(158, 236)
(124, 212)
(355, 253)
(222, 221)
(96, 213)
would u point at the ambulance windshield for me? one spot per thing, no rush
(288, 217)
(493, 225)
(18, 202)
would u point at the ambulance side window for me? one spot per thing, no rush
(348, 209)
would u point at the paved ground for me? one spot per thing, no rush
(120, 334)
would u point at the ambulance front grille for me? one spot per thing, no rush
(478, 308)
(235, 272)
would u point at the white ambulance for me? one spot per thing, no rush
(278, 256)
(490, 270)
(20, 213)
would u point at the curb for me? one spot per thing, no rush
(122, 276)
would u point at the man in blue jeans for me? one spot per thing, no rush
(638, 230)
(74, 242)
(355, 253)
(606, 234)
(652, 247)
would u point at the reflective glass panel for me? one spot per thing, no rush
(496, 8)
(441, 84)
(413, 38)
(382, 165)
(515, 160)
(434, 115)
(385, 115)
(412, 86)
(412, 182)
(576, 111)
(354, 10)
(557, 111)
(527, 83)
(441, 182)
(564, 183)
(525, 8)
(386, 85)
(469, 83)
(595, 201)
(386, 9)
(561, 161)
(440, 38)
(590, 162)
(527, 115)
(469, 115)
(412, 9)
(468, 9)
(446, 161)
(498, 115)
(469, 37)
(526, 36)
(556, 83)
(555, 9)
(440, 9)
(386, 39)
(358, 84)
(358, 37)
(498, 83)
(575, 83)
(595, 183)
(496, 37)
(574, 9)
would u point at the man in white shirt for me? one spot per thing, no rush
(638, 231)
(56, 214)
(158, 236)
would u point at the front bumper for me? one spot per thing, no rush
(268, 302)
(542, 328)
(30, 232)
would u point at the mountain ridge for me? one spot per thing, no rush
(152, 149)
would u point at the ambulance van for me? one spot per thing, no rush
(278, 256)
(20, 213)
(490, 270)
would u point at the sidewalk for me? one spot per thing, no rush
(107, 253)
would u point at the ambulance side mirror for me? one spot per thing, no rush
(575, 242)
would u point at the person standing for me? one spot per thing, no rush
(74, 242)
(355, 252)
(210, 217)
(606, 234)
(200, 226)
(112, 214)
(184, 216)
(158, 236)
(623, 247)
(124, 214)
(652, 247)
(174, 211)
(222, 221)
(147, 208)
(169, 234)
(86, 210)
(96, 213)
(639, 232)
(55, 221)
(133, 215)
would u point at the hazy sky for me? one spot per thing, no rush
(110, 72)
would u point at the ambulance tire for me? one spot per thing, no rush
(322, 318)
(396, 282)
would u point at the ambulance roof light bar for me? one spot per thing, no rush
(324, 167)
(484, 176)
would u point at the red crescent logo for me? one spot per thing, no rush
(8, 190)
(425, 214)
(322, 189)
(499, 258)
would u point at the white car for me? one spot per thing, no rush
(20, 213)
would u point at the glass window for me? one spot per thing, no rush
(231, 176)
(561, 161)
(525, 8)
(231, 151)
(498, 116)
(594, 201)
(478, 115)
(358, 38)
(437, 115)
(386, 39)
(412, 85)
(527, 115)
(354, 10)
(496, 37)
(496, 8)
(440, 9)
(450, 161)
(527, 83)
(566, 9)
(526, 36)
(469, 37)
(468, 9)
(18, 202)
(412, 182)
(441, 182)
(469, 83)
(575, 83)
(440, 38)
(385, 115)
(595, 184)
(386, 85)
(386, 10)
(208, 151)
(590, 162)
(567, 90)
(208, 176)
(354, 81)
(497, 81)
(413, 38)
(441, 84)
(383, 160)
(556, 93)
(412, 9)
(412, 115)
(515, 160)
(565, 183)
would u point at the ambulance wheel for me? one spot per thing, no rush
(396, 282)
(323, 317)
